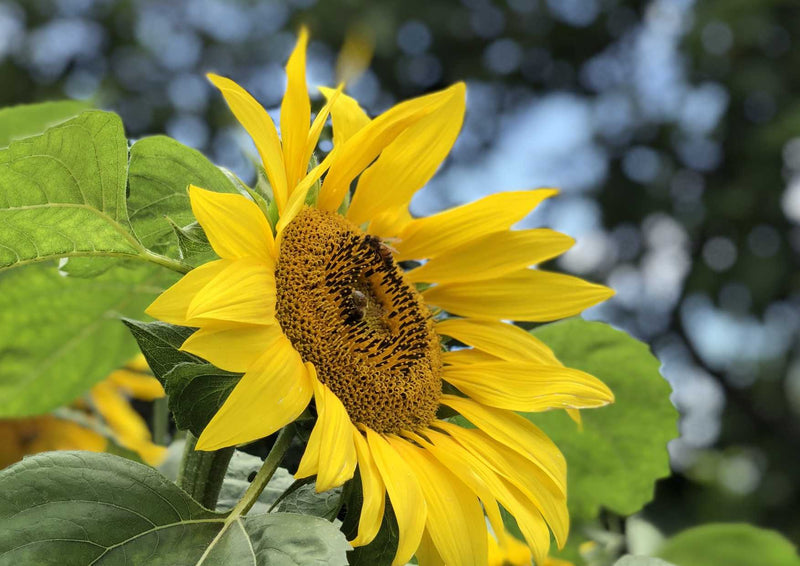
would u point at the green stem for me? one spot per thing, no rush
(264, 474)
(160, 421)
(165, 261)
(201, 473)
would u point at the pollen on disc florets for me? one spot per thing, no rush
(347, 308)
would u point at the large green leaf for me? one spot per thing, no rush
(160, 171)
(62, 193)
(641, 561)
(60, 335)
(81, 509)
(616, 459)
(29, 119)
(729, 544)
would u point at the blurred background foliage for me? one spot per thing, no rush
(671, 126)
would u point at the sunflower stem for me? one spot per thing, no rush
(160, 421)
(164, 261)
(264, 474)
(201, 473)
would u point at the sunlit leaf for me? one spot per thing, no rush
(62, 193)
(729, 544)
(28, 119)
(616, 459)
(61, 335)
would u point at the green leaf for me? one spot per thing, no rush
(622, 450)
(196, 389)
(62, 193)
(196, 392)
(729, 544)
(160, 171)
(242, 468)
(641, 561)
(306, 501)
(160, 343)
(29, 119)
(193, 245)
(81, 509)
(61, 335)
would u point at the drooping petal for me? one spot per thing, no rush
(296, 113)
(529, 295)
(373, 491)
(232, 347)
(493, 255)
(235, 226)
(526, 386)
(455, 518)
(273, 393)
(366, 144)
(517, 433)
(451, 456)
(506, 341)
(259, 125)
(172, 305)
(337, 453)
(520, 472)
(409, 161)
(405, 493)
(529, 519)
(243, 292)
(427, 555)
(346, 114)
(432, 235)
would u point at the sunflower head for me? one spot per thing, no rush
(318, 304)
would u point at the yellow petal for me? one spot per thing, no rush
(430, 236)
(409, 161)
(405, 494)
(468, 356)
(455, 518)
(526, 513)
(366, 144)
(517, 433)
(171, 305)
(522, 473)
(427, 555)
(138, 363)
(298, 198)
(318, 124)
(492, 255)
(232, 347)
(355, 55)
(138, 385)
(117, 412)
(337, 454)
(530, 295)
(526, 386)
(452, 457)
(261, 128)
(506, 341)
(373, 491)
(270, 395)
(235, 226)
(243, 292)
(296, 113)
(347, 116)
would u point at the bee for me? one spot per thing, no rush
(383, 250)
(358, 299)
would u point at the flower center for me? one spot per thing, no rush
(347, 308)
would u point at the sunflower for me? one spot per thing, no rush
(105, 414)
(350, 301)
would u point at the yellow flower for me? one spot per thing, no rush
(108, 409)
(320, 306)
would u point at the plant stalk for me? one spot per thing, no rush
(201, 473)
(265, 473)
